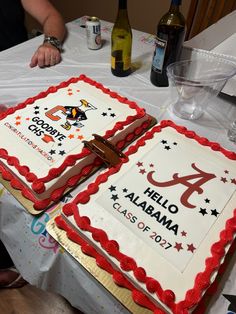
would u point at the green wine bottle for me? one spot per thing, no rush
(121, 42)
(170, 37)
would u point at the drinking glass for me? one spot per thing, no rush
(232, 132)
(193, 83)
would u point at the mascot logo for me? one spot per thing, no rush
(200, 177)
(73, 115)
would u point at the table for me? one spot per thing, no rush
(37, 256)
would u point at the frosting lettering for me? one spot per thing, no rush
(152, 212)
(45, 126)
(125, 213)
(172, 208)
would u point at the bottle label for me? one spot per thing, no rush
(127, 62)
(113, 62)
(123, 65)
(159, 55)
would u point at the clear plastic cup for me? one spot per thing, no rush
(232, 132)
(193, 83)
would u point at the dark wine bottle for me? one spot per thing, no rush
(170, 37)
(121, 42)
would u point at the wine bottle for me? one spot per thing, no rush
(171, 31)
(121, 42)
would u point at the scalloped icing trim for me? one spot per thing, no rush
(72, 181)
(38, 184)
(202, 280)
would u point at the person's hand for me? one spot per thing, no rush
(45, 55)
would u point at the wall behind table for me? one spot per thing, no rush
(144, 14)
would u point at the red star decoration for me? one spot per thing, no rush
(69, 89)
(77, 130)
(183, 233)
(142, 171)
(139, 164)
(80, 137)
(191, 247)
(78, 90)
(233, 181)
(178, 246)
(70, 94)
(223, 179)
(48, 138)
(27, 119)
(226, 171)
(17, 123)
(18, 118)
(71, 136)
(151, 165)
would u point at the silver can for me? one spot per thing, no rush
(93, 30)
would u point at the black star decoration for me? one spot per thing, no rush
(207, 200)
(104, 114)
(109, 108)
(52, 152)
(214, 212)
(203, 211)
(62, 152)
(59, 144)
(112, 188)
(114, 197)
(36, 107)
(167, 147)
(36, 112)
(163, 142)
(175, 143)
(112, 115)
(232, 300)
(224, 180)
(125, 190)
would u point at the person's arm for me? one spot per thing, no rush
(53, 26)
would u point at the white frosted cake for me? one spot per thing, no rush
(41, 144)
(162, 221)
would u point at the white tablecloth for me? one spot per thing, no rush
(40, 260)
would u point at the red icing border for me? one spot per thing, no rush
(38, 184)
(202, 280)
(72, 181)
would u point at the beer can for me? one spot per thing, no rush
(93, 30)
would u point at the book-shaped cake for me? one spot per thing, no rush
(42, 153)
(162, 221)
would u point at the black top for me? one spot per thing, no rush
(12, 28)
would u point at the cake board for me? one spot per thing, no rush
(89, 263)
(27, 204)
(124, 295)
